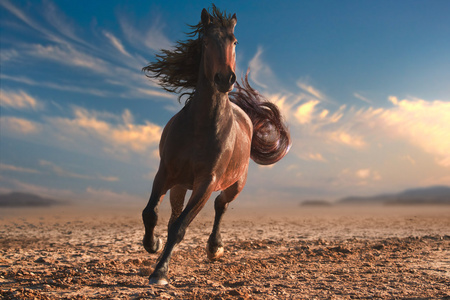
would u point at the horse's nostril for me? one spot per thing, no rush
(217, 78)
(232, 78)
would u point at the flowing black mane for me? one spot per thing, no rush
(271, 139)
(177, 70)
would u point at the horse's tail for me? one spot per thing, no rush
(271, 140)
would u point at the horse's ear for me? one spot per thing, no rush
(233, 20)
(206, 18)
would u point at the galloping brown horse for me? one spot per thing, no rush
(206, 147)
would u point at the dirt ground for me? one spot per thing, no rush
(337, 252)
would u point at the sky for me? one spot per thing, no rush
(364, 87)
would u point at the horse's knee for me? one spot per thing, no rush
(150, 217)
(177, 230)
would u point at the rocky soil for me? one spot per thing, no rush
(306, 253)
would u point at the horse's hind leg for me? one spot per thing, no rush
(150, 213)
(214, 247)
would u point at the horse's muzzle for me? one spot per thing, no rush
(225, 83)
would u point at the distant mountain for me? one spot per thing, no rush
(17, 199)
(315, 203)
(430, 195)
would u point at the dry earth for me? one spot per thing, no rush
(364, 252)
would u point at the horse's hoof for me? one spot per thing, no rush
(216, 255)
(155, 248)
(158, 281)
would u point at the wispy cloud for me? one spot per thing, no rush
(65, 173)
(122, 136)
(6, 167)
(56, 86)
(310, 89)
(90, 132)
(116, 43)
(63, 44)
(359, 177)
(152, 36)
(35, 25)
(9, 54)
(68, 55)
(19, 100)
(90, 194)
(362, 98)
(19, 126)
(260, 72)
(424, 124)
(95, 194)
(314, 157)
(410, 134)
(347, 138)
(305, 112)
(60, 22)
(56, 193)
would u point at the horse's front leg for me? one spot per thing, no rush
(200, 194)
(177, 194)
(214, 247)
(150, 213)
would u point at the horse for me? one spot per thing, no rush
(207, 145)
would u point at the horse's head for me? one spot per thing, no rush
(219, 56)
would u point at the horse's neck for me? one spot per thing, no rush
(209, 105)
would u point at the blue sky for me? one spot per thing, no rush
(364, 87)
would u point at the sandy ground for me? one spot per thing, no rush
(381, 252)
